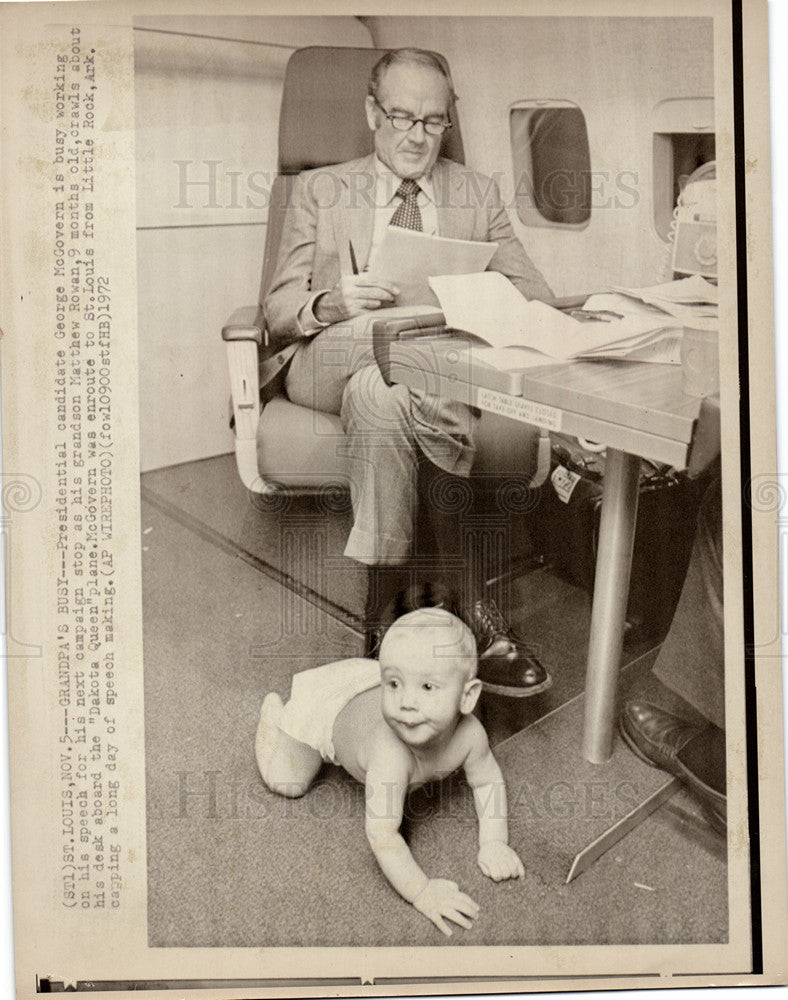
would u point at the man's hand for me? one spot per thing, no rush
(441, 899)
(352, 295)
(498, 861)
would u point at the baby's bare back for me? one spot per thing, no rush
(352, 729)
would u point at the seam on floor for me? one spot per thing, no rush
(226, 544)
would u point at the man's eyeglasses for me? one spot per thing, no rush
(402, 123)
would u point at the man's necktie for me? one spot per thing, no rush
(408, 215)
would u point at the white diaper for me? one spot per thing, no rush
(318, 696)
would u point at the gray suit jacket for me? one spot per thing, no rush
(331, 206)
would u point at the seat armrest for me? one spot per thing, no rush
(244, 335)
(386, 330)
(245, 323)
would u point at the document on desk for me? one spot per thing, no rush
(490, 307)
(686, 299)
(410, 259)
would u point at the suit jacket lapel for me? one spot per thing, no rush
(357, 208)
(455, 217)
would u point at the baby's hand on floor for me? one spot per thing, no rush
(498, 861)
(441, 899)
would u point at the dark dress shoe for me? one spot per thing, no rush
(425, 594)
(694, 754)
(506, 664)
(373, 636)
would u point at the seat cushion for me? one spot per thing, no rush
(300, 447)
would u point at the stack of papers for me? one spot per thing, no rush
(687, 299)
(633, 324)
(410, 258)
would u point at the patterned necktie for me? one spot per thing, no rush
(408, 215)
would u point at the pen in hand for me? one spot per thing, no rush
(373, 294)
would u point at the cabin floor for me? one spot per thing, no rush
(237, 597)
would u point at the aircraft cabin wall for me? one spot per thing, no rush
(207, 91)
(207, 97)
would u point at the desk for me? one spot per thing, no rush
(637, 410)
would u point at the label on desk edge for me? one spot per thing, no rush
(517, 408)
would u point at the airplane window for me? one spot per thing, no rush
(552, 163)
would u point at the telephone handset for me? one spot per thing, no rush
(694, 226)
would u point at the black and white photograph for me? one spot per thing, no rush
(399, 468)
(402, 505)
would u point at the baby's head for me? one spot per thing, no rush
(428, 675)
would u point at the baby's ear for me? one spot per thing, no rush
(470, 695)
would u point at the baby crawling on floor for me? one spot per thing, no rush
(395, 724)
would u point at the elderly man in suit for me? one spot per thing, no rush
(324, 294)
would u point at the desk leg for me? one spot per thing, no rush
(611, 592)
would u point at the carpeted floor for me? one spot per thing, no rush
(230, 864)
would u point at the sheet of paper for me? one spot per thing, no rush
(489, 306)
(685, 291)
(687, 313)
(686, 299)
(663, 349)
(666, 351)
(623, 305)
(620, 337)
(409, 258)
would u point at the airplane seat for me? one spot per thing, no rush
(279, 445)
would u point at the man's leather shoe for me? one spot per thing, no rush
(506, 665)
(668, 742)
(424, 594)
(373, 636)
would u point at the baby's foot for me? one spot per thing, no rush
(267, 731)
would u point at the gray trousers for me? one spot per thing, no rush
(387, 428)
(691, 661)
